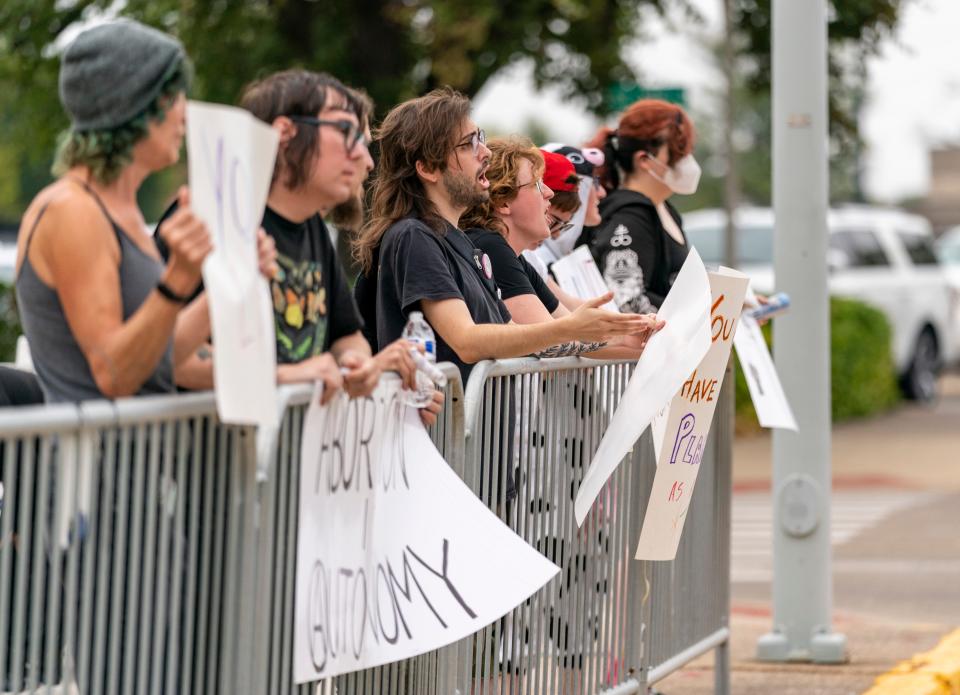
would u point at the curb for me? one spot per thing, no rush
(936, 672)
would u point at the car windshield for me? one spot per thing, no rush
(754, 244)
(949, 251)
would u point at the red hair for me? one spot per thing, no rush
(646, 126)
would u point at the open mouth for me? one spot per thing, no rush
(482, 178)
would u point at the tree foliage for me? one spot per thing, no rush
(394, 49)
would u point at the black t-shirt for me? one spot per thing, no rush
(417, 263)
(512, 273)
(365, 294)
(312, 304)
(638, 258)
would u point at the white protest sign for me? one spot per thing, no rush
(763, 382)
(691, 413)
(395, 555)
(231, 156)
(577, 274)
(667, 360)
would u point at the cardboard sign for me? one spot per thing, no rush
(577, 274)
(688, 424)
(231, 157)
(395, 554)
(666, 362)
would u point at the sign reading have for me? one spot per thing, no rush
(688, 424)
(231, 156)
(395, 555)
(669, 357)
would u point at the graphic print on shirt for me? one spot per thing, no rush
(299, 309)
(624, 276)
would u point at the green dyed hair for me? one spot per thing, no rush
(108, 152)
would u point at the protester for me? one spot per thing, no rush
(321, 158)
(640, 245)
(105, 316)
(516, 218)
(431, 170)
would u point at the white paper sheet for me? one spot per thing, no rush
(395, 555)
(688, 425)
(668, 359)
(231, 157)
(763, 382)
(577, 274)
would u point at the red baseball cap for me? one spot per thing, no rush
(559, 174)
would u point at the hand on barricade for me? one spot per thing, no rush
(266, 255)
(430, 412)
(591, 323)
(361, 373)
(318, 368)
(396, 358)
(189, 242)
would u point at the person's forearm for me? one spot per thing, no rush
(195, 372)
(572, 349)
(499, 341)
(192, 329)
(566, 299)
(130, 354)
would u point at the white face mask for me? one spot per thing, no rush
(683, 177)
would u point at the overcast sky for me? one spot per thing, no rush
(913, 93)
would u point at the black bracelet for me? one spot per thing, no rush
(166, 292)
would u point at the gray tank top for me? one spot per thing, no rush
(60, 364)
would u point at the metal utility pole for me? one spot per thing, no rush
(802, 585)
(731, 182)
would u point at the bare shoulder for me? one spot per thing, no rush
(72, 225)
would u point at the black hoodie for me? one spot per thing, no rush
(637, 257)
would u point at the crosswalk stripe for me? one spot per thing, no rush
(851, 513)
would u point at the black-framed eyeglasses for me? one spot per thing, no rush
(352, 133)
(536, 182)
(475, 139)
(558, 226)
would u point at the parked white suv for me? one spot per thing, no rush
(880, 256)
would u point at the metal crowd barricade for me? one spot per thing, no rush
(607, 622)
(147, 548)
(120, 547)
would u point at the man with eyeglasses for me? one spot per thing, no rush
(432, 168)
(321, 154)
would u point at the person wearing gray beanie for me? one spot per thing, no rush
(105, 316)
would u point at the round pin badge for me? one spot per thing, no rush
(487, 267)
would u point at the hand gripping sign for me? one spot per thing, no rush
(231, 156)
(688, 424)
(395, 555)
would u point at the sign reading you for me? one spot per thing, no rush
(395, 555)
(231, 156)
(688, 424)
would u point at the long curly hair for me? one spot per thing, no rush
(645, 126)
(423, 130)
(506, 154)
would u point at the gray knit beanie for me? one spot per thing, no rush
(113, 72)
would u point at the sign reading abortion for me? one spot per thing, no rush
(231, 156)
(688, 424)
(395, 555)
(667, 360)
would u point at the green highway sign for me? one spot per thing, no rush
(621, 94)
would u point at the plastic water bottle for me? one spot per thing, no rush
(776, 304)
(418, 332)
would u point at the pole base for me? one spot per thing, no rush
(823, 648)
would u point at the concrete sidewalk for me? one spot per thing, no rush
(896, 585)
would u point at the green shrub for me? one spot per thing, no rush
(862, 374)
(9, 324)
